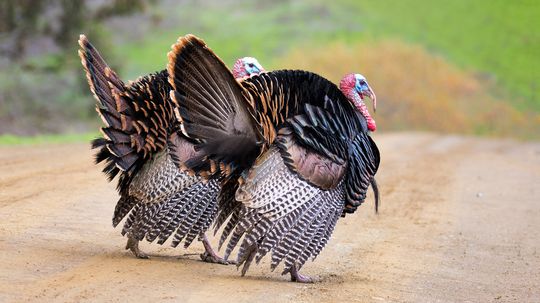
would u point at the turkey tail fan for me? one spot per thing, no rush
(106, 86)
(212, 107)
(135, 125)
(101, 79)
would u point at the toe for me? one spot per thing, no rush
(206, 257)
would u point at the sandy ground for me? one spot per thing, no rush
(460, 222)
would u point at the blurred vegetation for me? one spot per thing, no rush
(434, 96)
(496, 38)
(49, 138)
(458, 66)
(41, 90)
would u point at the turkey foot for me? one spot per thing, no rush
(133, 245)
(298, 277)
(209, 255)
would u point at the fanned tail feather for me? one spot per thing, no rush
(136, 116)
(213, 109)
(106, 88)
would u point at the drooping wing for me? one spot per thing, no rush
(283, 214)
(295, 192)
(364, 162)
(331, 132)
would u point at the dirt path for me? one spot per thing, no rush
(460, 221)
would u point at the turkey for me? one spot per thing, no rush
(292, 150)
(246, 67)
(143, 144)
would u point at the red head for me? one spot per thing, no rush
(356, 88)
(247, 66)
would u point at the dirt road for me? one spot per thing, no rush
(460, 221)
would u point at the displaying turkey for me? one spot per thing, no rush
(143, 144)
(293, 152)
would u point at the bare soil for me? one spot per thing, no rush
(459, 222)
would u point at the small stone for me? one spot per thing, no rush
(479, 195)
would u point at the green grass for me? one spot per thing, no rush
(438, 96)
(6, 140)
(498, 39)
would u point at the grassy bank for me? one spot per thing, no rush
(495, 39)
(6, 140)
(417, 90)
(461, 66)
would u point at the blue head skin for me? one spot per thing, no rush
(246, 67)
(252, 66)
(356, 88)
(362, 87)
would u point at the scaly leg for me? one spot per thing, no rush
(297, 277)
(209, 255)
(133, 245)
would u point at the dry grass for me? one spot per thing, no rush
(418, 90)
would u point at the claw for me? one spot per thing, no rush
(297, 277)
(133, 245)
(210, 256)
(213, 258)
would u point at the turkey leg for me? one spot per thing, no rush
(209, 255)
(133, 245)
(297, 277)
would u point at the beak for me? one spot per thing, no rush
(371, 94)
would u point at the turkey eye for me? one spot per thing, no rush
(362, 82)
(251, 65)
